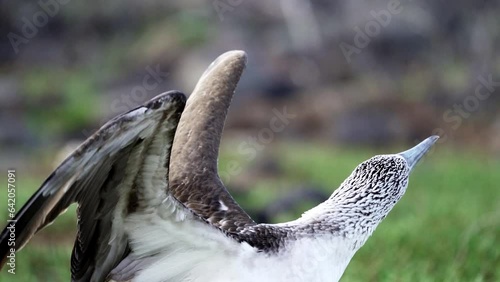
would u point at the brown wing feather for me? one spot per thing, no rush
(99, 176)
(193, 176)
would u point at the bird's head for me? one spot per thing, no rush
(365, 198)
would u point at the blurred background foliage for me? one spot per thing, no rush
(68, 66)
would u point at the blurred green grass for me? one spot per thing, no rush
(446, 227)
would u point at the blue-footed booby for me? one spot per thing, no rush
(151, 206)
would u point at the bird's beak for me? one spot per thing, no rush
(413, 155)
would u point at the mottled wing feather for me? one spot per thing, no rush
(103, 176)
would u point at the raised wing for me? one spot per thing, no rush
(193, 176)
(120, 170)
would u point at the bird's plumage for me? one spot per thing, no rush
(100, 176)
(193, 176)
(152, 206)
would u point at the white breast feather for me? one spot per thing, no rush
(185, 249)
